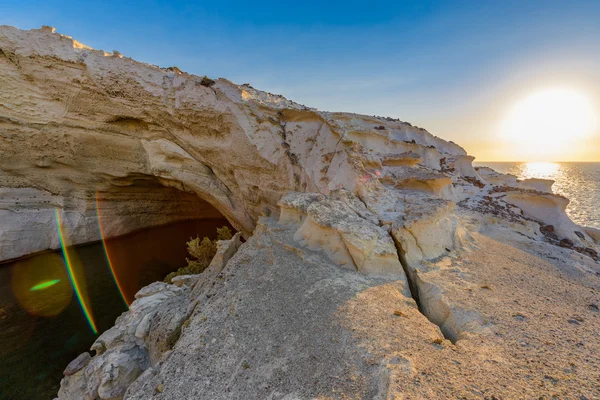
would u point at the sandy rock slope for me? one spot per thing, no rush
(379, 264)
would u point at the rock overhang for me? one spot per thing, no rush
(96, 121)
(356, 201)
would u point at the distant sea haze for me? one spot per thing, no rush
(578, 181)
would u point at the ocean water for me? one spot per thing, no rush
(578, 181)
(43, 328)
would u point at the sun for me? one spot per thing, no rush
(550, 121)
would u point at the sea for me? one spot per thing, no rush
(578, 181)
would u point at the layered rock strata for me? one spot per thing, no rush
(378, 263)
(101, 125)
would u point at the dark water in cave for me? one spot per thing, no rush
(42, 326)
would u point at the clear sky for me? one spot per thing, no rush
(456, 68)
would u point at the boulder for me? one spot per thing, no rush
(74, 366)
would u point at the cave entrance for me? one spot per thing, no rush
(43, 323)
(144, 229)
(148, 255)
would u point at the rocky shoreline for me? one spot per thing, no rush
(378, 263)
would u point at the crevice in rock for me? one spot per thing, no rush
(10, 57)
(334, 152)
(229, 192)
(297, 171)
(129, 123)
(413, 285)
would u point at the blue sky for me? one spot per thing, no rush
(452, 67)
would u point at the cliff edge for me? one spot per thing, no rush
(378, 263)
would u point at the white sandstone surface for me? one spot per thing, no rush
(378, 263)
(102, 125)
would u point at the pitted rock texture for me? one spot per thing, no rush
(379, 262)
(281, 321)
(100, 125)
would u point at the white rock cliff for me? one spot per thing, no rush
(379, 263)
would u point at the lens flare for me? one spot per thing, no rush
(41, 285)
(107, 254)
(44, 285)
(72, 277)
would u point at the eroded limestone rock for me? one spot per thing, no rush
(100, 126)
(139, 339)
(354, 281)
(280, 320)
(74, 366)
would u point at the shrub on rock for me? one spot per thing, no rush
(201, 253)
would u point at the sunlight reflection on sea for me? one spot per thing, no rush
(579, 182)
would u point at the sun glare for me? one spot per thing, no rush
(550, 122)
(541, 170)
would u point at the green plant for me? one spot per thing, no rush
(206, 81)
(201, 254)
(224, 233)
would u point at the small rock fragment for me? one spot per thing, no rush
(591, 252)
(520, 317)
(567, 243)
(547, 229)
(81, 361)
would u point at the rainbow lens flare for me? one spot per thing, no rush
(74, 282)
(107, 254)
(44, 285)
